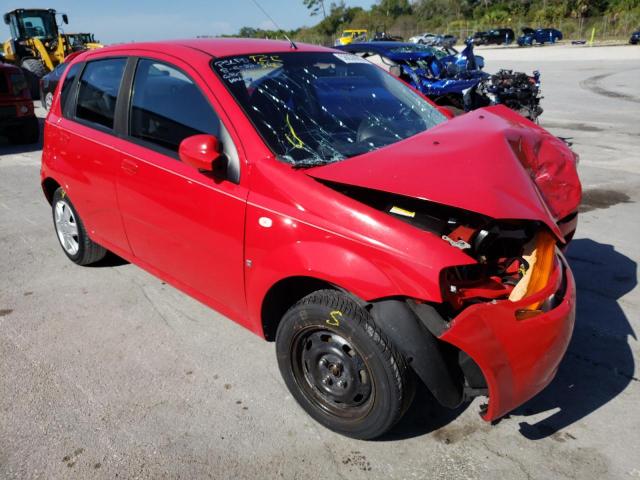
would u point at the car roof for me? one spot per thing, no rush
(217, 47)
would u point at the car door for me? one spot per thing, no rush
(184, 224)
(86, 153)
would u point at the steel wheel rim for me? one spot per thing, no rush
(66, 227)
(332, 374)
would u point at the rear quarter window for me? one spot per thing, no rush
(98, 91)
(68, 83)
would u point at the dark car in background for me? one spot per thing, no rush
(435, 40)
(496, 36)
(17, 118)
(50, 81)
(635, 38)
(541, 35)
(386, 37)
(48, 85)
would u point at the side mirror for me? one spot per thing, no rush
(65, 19)
(6, 18)
(200, 151)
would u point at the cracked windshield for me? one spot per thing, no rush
(318, 108)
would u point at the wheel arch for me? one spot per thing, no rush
(49, 186)
(283, 295)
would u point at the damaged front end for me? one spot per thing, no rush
(504, 319)
(458, 81)
(516, 90)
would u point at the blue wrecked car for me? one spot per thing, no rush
(541, 35)
(454, 79)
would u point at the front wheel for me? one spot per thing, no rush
(340, 368)
(72, 235)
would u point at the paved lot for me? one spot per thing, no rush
(107, 372)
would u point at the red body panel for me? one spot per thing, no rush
(227, 244)
(517, 357)
(88, 161)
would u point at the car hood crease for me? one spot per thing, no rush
(474, 162)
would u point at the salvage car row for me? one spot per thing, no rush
(454, 79)
(329, 207)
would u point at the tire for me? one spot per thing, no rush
(71, 233)
(34, 70)
(47, 101)
(340, 368)
(28, 132)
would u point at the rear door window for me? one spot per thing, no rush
(98, 91)
(167, 107)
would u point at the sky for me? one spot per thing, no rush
(138, 20)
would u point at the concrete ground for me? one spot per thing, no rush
(107, 372)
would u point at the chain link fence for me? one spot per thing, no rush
(606, 28)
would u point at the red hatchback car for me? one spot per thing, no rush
(321, 203)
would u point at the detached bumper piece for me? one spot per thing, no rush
(518, 349)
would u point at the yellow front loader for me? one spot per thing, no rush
(81, 41)
(36, 43)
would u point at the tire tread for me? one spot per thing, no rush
(402, 375)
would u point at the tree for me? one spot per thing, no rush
(339, 15)
(316, 6)
(393, 8)
(248, 32)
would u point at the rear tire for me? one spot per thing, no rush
(340, 368)
(71, 233)
(34, 70)
(28, 132)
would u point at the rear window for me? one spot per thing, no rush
(98, 91)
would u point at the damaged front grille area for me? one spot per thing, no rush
(436, 218)
(505, 251)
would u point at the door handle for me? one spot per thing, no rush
(129, 166)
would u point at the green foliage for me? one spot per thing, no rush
(316, 7)
(463, 17)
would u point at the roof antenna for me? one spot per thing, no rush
(293, 45)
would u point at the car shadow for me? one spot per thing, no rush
(599, 363)
(109, 260)
(7, 148)
(425, 415)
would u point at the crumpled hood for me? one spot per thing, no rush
(490, 161)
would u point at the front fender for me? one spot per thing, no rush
(298, 227)
(336, 261)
